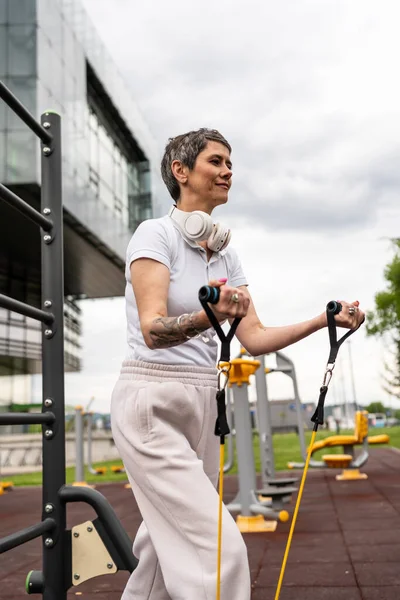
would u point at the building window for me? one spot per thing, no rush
(119, 174)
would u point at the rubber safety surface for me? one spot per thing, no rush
(346, 544)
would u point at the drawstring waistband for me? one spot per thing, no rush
(143, 371)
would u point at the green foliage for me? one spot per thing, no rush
(376, 407)
(385, 319)
(386, 316)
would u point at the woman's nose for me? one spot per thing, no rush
(226, 172)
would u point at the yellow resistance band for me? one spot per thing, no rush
(221, 493)
(296, 510)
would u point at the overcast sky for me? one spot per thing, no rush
(307, 92)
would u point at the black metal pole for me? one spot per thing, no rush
(26, 309)
(43, 418)
(54, 547)
(25, 208)
(26, 535)
(24, 114)
(108, 518)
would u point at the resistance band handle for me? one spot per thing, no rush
(221, 424)
(210, 294)
(318, 416)
(334, 307)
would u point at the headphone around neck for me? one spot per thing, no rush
(198, 226)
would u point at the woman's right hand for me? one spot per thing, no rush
(227, 307)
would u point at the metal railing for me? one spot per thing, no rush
(61, 567)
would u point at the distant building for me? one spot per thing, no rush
(284, 415)
(52, 58)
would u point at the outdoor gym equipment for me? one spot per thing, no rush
(286, 366)
(268, 475)
(89, 431)
(275, 492)
(269, 481)
(348, 461)
(89, 427)
(80, 448)
(92, 548)
(5, 486)
(250, 502)
(118, 469)
(230, 453)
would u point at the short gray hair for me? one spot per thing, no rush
(186, 148)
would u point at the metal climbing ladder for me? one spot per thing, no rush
(67, 555)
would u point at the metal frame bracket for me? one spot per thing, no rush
(90, 557)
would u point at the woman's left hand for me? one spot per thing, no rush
(350, 316)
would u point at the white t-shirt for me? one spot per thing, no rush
(163, 241)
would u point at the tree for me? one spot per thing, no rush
(384, 321)
(375, 407)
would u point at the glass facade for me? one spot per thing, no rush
(114, 178)
(18, 71)
(47, 49)
(72, 335)
(20, 336)
(51, 58)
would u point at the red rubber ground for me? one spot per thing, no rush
(346, 545)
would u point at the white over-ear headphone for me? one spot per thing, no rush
(198, 226)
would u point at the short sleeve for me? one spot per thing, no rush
(150, 240)
(236, 277)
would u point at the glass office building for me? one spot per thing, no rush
(52, 58)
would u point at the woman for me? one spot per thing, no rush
(163, 406)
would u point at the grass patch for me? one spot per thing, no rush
(286, 449)
(36, 478)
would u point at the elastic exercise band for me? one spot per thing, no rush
(332, 309)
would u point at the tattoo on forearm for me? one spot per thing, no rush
(167, 332)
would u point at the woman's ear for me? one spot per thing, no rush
(179, 171)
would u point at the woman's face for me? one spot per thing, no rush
(211, 177)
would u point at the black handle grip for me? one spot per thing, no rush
(210, 294)
(334, 307)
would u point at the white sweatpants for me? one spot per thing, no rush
(163, 419)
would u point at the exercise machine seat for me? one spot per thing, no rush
(360, 433)
(383, 438)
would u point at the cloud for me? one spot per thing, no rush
(299, 89)
(306, 93)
